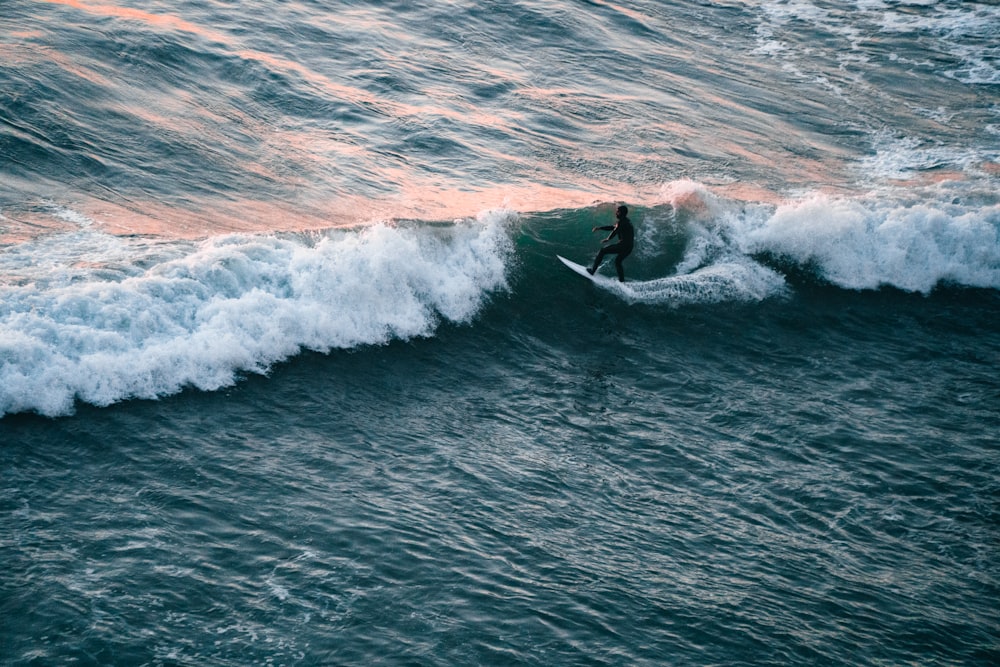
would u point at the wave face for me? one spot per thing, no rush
(97, 318)
(698, 247)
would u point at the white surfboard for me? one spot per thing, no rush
(597, 278)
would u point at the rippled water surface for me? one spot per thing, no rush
(290, 373)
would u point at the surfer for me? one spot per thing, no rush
(625, 232)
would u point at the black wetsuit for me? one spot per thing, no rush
(626, 239)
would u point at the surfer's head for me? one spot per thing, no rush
(622, 211)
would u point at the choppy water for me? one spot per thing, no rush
(289, 373)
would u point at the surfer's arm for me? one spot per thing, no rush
(608, 228)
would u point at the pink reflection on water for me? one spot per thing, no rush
(128, 13)
(28, 52)
(212, 218)
(418, 199)
(634, 15)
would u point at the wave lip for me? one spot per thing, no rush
(239, 304)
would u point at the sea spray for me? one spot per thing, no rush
(876, 239)
(235, 304)
(867, 244)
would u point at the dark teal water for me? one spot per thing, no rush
(290, 374)
(568, 480)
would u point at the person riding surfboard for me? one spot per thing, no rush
(625, 232)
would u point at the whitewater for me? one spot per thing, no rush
(103, 318)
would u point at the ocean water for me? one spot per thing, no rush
(290, 373)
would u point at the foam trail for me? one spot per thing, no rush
(714, 268)
(104, 331)
(733, 280)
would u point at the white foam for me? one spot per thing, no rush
(714, 268)
(945, 233)
(777, 16)
(101, 331)
(69, 215)
(902, 157)
(965, 30)
(735, 279)
(867, 244)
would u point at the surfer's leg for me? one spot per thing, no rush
(620, 268)
(597, 261)
(618, 263)
(606, 250)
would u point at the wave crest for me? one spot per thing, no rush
(868, 245)
(234, 304)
